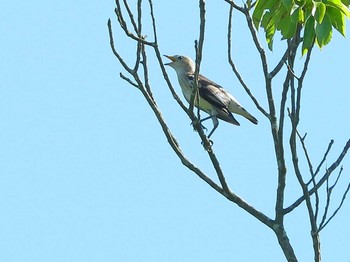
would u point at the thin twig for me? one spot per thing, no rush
(324, 156)
(198, 49)
(280, 64)
(235, 70)
(237, 7)
(123, 25)
(128, 80)
(145, 72)
(328, 172)
(116, 54)
(153, 22)
(306, 153)
(336, 211)
(137, 29)
(329, 190)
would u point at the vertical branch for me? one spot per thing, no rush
(278, 144)
(294, 116)
(277, 140)
(289, 80)
(207, 145)
(317, 199)
(199, 50)
(279, 152)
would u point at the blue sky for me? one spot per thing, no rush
(86, 172)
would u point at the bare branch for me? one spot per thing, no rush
(116, 54)
(235, 70)
(291, 71)
(279, 151)
(257, 43)
(317, 199)
(147, 94)
(237, 7)
(145, 72)
(329, 171)
(206, 143)
(153, 22)
(128, 80)
(306, 153)
(306, 194)
(294, 116)
(324, 156)
(198, 48)
(160, 61)
(137, 28)
(123, 25)
(280, 64)
(336, 211)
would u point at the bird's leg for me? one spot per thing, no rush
(206, 118)
(202, 120)
(215, 123)
(195, 125)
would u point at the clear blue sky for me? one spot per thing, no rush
(86, 173)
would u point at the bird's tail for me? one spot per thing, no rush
(247, 115)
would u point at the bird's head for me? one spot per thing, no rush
(181, 63)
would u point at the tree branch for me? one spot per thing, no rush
(329, 171)
(322, 226)
(235, 70)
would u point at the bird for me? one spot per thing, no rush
(213, 98)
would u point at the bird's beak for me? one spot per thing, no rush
(172, 58)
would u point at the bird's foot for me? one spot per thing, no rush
(207, 146)
(196, 124)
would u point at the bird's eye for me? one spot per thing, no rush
(179, 57)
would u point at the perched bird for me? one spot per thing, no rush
(213, 99)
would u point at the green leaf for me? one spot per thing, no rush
(298, 15)
(288, 4)
(268, 24)
(320, 12)
(289, 25)
(337, 19)
(324, 31)
(260, 8)
(309, 34)
(280, 17)
(300, 2)
(270, 32)
(258, 12)
(346, 2)
(338, 5)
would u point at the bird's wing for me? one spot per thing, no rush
(216, 96)
(223, 101)
(213, 93)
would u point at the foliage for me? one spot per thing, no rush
(317, 18)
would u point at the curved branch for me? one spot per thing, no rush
(235, 70)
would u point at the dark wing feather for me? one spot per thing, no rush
(212, 92)
(215, 95)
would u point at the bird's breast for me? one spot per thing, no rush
(186, 84)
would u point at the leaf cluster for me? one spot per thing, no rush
(316, 18)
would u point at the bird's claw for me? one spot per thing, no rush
(206, 146)
(195, 126)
